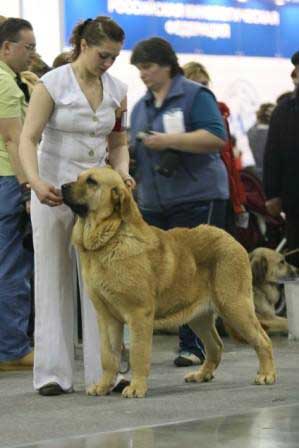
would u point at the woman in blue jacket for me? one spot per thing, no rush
(177, 133)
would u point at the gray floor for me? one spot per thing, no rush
(228, 412)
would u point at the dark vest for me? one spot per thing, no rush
(200, 177)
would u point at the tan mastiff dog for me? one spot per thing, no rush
(269, 269)
(148, 278)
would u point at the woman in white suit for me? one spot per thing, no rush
(77, 110)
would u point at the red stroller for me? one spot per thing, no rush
(262, 229)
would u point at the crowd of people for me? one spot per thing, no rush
(57, 121)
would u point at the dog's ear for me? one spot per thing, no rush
(259, 268)
(121, 199)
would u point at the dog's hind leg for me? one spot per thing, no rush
(111, 334)
(245, 322)
(204, 327)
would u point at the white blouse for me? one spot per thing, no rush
(75, 137)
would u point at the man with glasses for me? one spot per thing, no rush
(17, 47)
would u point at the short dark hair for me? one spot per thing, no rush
(264, 112)
(295, 58)
(94, 31)
(158, 51)
(10, 29)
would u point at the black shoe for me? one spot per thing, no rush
(186, 359)
(52, 389)
(120, 386)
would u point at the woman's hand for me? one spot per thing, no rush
(128, 180)
(274, 206)
(157, 141)
(47, 193)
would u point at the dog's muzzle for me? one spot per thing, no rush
(79, 209)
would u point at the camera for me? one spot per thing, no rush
(169, 161)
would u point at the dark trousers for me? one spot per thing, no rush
(16, 265)
(189, 215)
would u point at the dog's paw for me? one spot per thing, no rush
(265, 379)
(98, 389)
(135, 390)
(198, 377)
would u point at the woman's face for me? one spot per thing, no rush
(153, 75)
(99, 58)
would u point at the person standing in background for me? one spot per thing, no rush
(197, 72)
(17, 47)
(79, 111)
(281, 165)
(177, 133)
(257, 136)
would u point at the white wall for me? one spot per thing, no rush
(46, 17)
(10, 8)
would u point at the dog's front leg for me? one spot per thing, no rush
(111, 332)
(141, 336)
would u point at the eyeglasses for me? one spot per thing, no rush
(29, 47)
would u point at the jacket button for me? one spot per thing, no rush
(92, 134)
(91, 153)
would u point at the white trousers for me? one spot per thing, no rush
(55, 301)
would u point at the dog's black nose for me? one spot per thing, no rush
(65, 187)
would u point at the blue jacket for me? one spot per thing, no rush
(200, 177)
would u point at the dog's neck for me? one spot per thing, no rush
(112, 234)
(92, 235)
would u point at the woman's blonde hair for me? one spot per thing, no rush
(196, 72)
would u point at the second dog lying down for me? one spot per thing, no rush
(148, 278)
(268, 269)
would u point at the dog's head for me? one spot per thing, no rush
(97, 190)
(102, 201)
(269, 266)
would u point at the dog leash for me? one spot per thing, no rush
(291, 252)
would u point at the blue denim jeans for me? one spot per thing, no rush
(16, 266)
(189, 215)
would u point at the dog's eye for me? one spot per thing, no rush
(91, 181)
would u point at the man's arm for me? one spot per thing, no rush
(10, 130)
